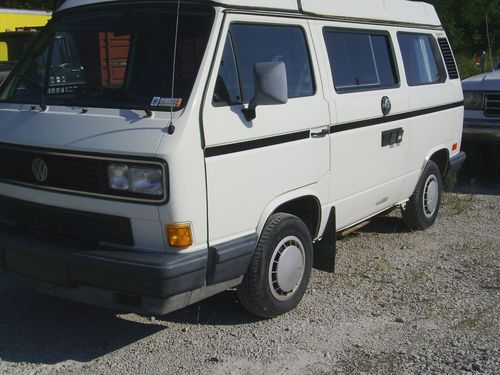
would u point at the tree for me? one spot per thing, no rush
(465, 23)
(30, 4)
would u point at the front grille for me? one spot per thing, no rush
(66, 223)
(69, 172)
(492, 104)
(64, 172)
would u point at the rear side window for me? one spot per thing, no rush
(248, 44)
(360, 60)
(420, 58)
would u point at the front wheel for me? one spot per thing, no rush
(422, 208)
(280, 269)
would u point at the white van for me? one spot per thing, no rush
(155, 153)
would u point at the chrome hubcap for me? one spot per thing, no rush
(287, 268)
(431, 196)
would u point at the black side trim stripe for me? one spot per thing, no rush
(257, 143)
(398, 117)
(292, 137)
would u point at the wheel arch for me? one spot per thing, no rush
(441, 157)
(306, 206)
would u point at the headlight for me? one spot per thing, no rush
(136, 179)
(118, 177)
(473, 99)
(146, 180)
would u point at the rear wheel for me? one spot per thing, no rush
(280, 268)
(422, 208)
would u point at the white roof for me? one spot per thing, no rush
(400, 11)
(287, 5)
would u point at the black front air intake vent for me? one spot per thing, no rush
(81, 225)
(451, 66)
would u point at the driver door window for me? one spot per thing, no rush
(248, 44)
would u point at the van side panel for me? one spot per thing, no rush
(251, 163)
(367, 177)
(437, 130)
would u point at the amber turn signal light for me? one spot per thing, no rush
(179, 235)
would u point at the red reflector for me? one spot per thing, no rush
(454, 147)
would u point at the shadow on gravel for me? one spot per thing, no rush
(385, 224)
(222, 309)
(36, 328)
(480, 175)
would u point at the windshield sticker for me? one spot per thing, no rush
(166, 102)
(155, 101)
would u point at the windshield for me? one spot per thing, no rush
(114, 57)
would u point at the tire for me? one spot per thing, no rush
(422, 208)
(280, 269)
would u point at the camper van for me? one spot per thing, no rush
(155, 153)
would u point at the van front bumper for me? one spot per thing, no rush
(113, 278)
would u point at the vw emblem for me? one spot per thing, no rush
(39, 169)
(386, 105)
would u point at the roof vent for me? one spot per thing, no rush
(448, 58)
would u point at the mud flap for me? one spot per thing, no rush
(325, 249)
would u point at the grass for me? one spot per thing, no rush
(481, 321)
(458, 204)
(450, 182)
(364, 361)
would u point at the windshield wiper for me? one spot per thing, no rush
(116, 95)
(144, 106)
(41, 86)
(131, 96)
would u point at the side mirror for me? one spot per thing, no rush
(271, 87)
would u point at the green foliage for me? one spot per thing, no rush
(465, 23)
(30, 4)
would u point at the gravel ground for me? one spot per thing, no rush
(400, 302)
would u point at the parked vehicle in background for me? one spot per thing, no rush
(18, 29)
(142, 177)
(482, 107)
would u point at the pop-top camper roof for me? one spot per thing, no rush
(398, 11)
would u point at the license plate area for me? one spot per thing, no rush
(36, 267)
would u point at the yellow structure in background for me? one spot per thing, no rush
(10, 19)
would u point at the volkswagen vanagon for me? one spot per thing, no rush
(154, 153)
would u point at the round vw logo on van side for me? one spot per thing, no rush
(39, 169)
(386, 105)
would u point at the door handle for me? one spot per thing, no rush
(321, 134)
(392, 137)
